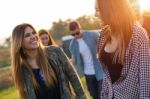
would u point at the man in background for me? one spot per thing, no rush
(83, 51)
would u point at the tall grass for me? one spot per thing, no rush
(85, 87)
(4, 57)
(9, 93)
(6, 79)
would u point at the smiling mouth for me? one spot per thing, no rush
(34, 42)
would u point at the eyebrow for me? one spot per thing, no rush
(96, 9)
(29, 32)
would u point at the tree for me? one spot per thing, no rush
(89, 22)
(7, 42)
(60, 28)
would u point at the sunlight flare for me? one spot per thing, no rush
(144, 5)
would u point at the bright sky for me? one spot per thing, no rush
(40, 13)
(144, 4)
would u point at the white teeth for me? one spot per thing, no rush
(34, 42)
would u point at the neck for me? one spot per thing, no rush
(32, 57)
(31, 54)
(81, 35)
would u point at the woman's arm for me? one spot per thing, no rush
(72, 61)
(72, 75)
(144, 68)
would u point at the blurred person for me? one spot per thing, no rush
(123, 51)
(83, 52)
(45, 37)
(41, 73)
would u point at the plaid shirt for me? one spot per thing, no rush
(134, 81)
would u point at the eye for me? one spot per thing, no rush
(33, 32)
(96, 9)
(46, 37)
(27, 35)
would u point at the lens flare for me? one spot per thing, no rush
(144, 5)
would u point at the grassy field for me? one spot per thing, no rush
(4, 57)
(11, 92)
(6, 79)
(7, 88)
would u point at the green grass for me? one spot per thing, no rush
(6, 79)
(85, 87)
(4, 57)
(8, 90)
(10, 93)
(4, 63)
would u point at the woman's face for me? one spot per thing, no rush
(97, 14)
(30, 39)
(44, 38)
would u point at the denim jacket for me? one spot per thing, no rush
(66, 73)
(90, 39)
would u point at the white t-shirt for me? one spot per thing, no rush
(87, 57)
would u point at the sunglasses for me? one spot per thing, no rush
(76, 33)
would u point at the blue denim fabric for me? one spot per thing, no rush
(90, 39)
(94, 86)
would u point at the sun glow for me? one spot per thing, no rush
(144, 5)
(40, 13)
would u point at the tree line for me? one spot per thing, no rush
(60, 28)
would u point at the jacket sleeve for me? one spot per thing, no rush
(70, 49)
(72, 75)
(144, 68)
(96, 36)
(28, 86)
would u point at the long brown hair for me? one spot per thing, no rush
(120, 17)
(19, 61)
(51, 40)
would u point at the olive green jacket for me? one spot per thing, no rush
(66, 74)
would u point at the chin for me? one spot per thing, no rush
(35, 46)
(45, 44)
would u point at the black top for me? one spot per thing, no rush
(114, 69)
(45, 92)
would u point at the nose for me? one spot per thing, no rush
(33, 36)
(96, 14)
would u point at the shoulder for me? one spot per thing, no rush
(72, 42)
(53, 51)
(91, 32)
(101, 40)
(52, 47)
(139, 33)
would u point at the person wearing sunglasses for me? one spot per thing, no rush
(83, 51)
